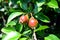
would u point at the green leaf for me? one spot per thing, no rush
(23, 4)
(37, 9)
(7, 29)
(1, 0)
(19, 27)
(30, 8)
(11, 23)
(40, 2)
(23, 39)
(38, 5)
(0, 35)
(58, 0)
(42, 27)
(47, 38)
(57, 10)
(12, 36)
(42, 17)
(51, 37)
(14, 10)
(13, 15)
(41, 33)
(53, 4)
(25, 32)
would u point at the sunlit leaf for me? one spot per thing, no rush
(40, 2)
(13, 10)
(25, 32)
(13, 15)
(3, 9)
(12, 36)
(11, 23)
(0, 35)
(42, 27)
(23, 39)
(1, 0)
(53, 4)
(47, 38)
(7, 29)
(51, 37)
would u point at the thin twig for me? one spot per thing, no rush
(3, 20)
(34, 35)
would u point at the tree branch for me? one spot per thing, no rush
(34, 35)
(3, 20)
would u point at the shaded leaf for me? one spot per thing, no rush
(23, 4)
(26, 1)
(37, 9)
(42, 17)
(38, 5)
(57, 10)
(19, 27)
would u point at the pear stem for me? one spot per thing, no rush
(31, 14)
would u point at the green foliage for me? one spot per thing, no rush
(40, 3)
(0, 35)
(23, 5)
(37, 9)
(11, 23)
(42, 17)
(25, 32)
(13, 15)
(51, 37)
(23, 38)
(19, 27)
(53, 4)
(44, 11)
(12, 36)
(42, 27)
(7, 29)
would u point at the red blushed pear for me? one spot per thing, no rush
(32, 22)
(23, 19)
